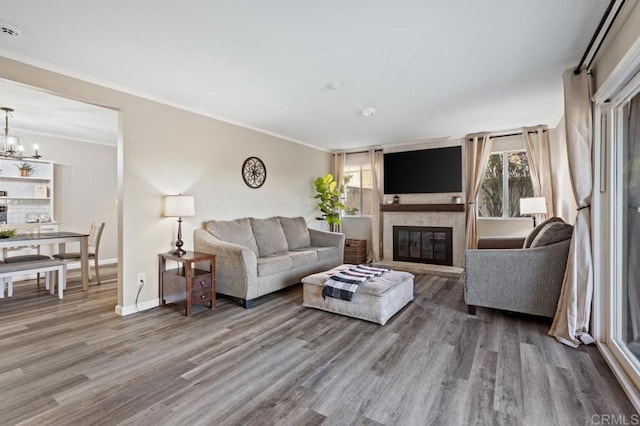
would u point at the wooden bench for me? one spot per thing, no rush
(10, 270)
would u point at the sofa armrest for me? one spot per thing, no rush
(236, 266)
(519, 280)
(326, 239)
(501, 243)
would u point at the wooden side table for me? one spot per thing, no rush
(187, 283)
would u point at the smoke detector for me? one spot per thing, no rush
(368, 112)
(10, 30)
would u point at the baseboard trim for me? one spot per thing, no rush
(76, 265)
(133, 309)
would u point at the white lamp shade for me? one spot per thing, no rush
(533, 205)
(179, 206)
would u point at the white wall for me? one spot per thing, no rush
(85, 187)
(166, 150)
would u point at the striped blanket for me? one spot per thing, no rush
(343, 284)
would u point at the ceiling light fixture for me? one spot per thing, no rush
(368, 112)
(10, 145)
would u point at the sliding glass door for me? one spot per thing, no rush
(625, 242)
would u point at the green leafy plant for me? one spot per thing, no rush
(24, 166)
(329, 198)
(8, 233)
(25, 169)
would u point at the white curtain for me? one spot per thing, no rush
(478, 152)
(536, 142)
(571, 323)
(377, 195)
(338, 175)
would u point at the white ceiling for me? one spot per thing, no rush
(40, 112)
(430, 68)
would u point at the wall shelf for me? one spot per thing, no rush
(24, 198)
(449, 207)
(46, 179)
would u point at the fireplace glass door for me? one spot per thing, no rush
(423, 244)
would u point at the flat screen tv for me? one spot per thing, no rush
(425, 171)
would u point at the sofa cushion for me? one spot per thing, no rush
(553, 233)
(324, 253)
(301, 258)
(296, 232)
(269, 236)
(273, 264)
(237, 231)
(537, 229)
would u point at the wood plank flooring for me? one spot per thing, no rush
(75, 362)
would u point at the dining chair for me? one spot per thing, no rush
(95, 234)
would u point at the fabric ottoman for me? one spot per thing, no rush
(376, 300)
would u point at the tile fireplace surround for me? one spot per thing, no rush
(436, 215)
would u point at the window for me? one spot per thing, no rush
(358, 202)
(500, 192)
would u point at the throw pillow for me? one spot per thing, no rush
(235, 232)
(269, 236)
(296, 232)
(553, 233)
(537, 229)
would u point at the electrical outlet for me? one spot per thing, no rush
(142, 278)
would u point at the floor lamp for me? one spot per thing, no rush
(533, 206)
(179, 206)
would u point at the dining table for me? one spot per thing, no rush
(49, 238)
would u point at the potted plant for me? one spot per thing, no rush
(25, 169)
(8, 233)
(329, 198)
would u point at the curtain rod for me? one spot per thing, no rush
(357, 152)
(512, 134)
(605, 16)
(515, 134)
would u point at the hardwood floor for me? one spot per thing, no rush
(75, 362)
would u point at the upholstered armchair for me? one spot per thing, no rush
(526, 280)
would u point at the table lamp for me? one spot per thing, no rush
(533, 206)
(179, 206)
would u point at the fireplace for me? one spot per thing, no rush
(423, 244)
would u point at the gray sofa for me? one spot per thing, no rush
(255, 257)
(526, 279)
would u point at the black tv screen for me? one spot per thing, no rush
(425, 171)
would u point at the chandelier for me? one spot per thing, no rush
(10, 145)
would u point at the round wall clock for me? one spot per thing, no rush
(254, 172)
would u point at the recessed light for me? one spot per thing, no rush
(334, 85)
(8, 29)
(368, 112)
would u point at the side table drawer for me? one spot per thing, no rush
(201, 289)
